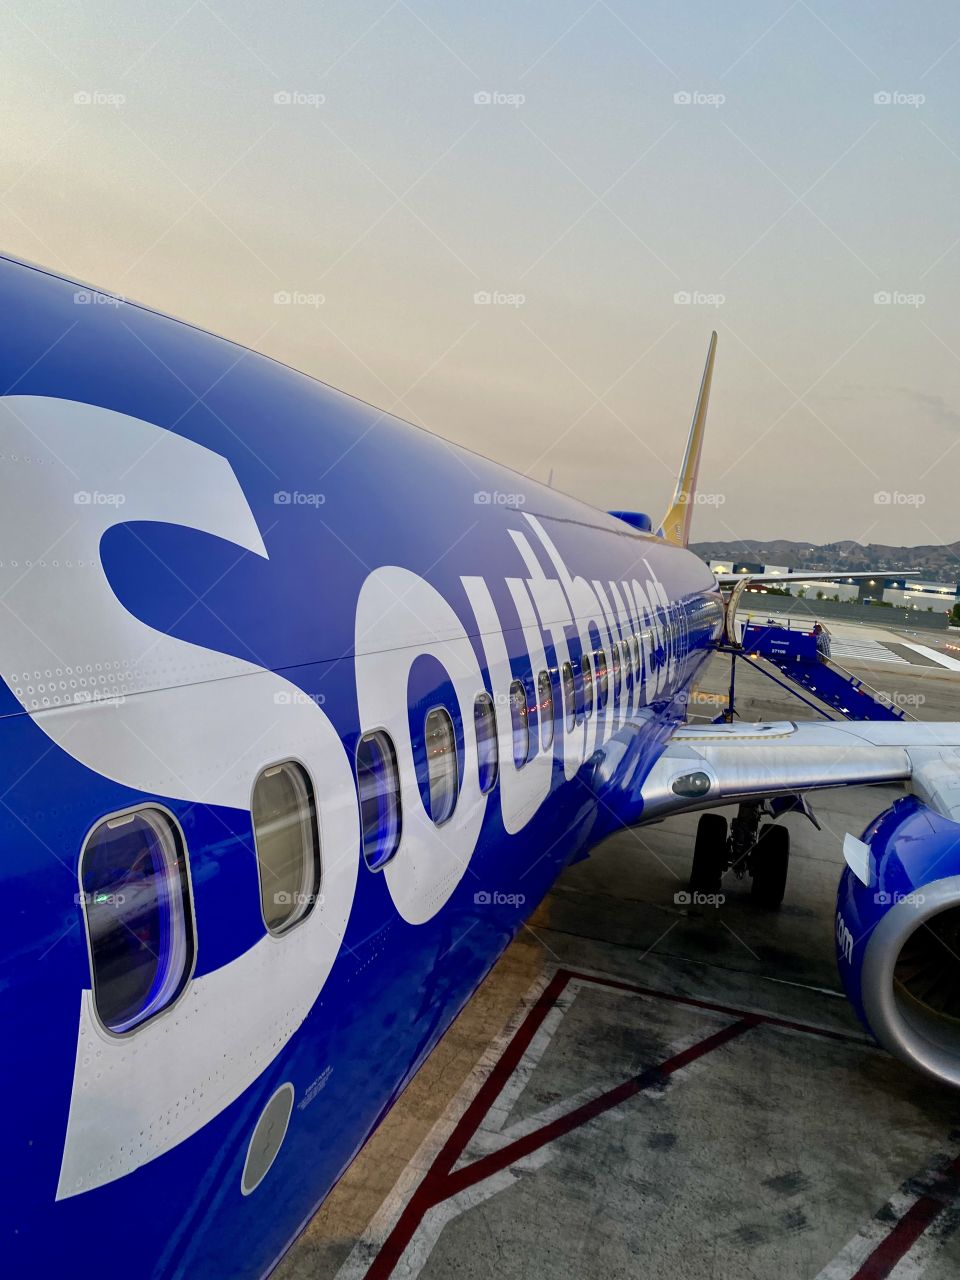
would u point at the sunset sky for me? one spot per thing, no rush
(381, 164)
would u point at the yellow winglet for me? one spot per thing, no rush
(675, 526)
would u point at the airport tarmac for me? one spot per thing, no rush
(863, 642)
(642, 1088)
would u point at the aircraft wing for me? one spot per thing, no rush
(705, 767)
(735, 586)
(730, 580)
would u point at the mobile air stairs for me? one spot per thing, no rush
(802, 654)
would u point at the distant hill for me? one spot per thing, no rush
(937, 562)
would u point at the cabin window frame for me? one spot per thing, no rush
(381, 735)
(484, 698)
(587, 683)
(568, 694)
(518, 685)
(546, 739)
(314, 818)
(601, 678)
(439, 708)
(188, 908)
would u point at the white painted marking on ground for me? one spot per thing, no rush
(492, 1136)
(941, 659)
(866, 651)
(488, 1139)
(428, 1233)
(856, 1251)
(385, 1219)
(417, 1253)
(912, 1265)
(507, 1098)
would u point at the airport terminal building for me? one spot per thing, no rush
(901, 593)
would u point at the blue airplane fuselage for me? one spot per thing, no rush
(210, 563)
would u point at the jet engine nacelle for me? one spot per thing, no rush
(898, 937)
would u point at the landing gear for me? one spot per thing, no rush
(746, 848)
(769, 864)
(709, 854)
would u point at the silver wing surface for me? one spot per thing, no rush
(705, 767)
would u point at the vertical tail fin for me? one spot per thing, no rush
(675, 526)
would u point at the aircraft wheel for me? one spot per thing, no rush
(709, 854)
(769, 863)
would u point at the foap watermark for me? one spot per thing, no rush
(702, 499)
(498, 298)
(295, 498)
(897, 298)
(284, 898)
(694, 898)
(97, 98)
(84, 498)
(885, 899)
(483, 498)
(894, 698)
(496, 98)
(894, 498)
(685, 298)
(699, 698)
(297, 698)
(897, 98)
(298, 98)
(96, 899)
(696, 98)
(99, 698)
(296, 298)
(494, 898)
(93, 298)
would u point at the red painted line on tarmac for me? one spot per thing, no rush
(845, 1037)
(428, 1193)
(513, 1151)
(440, 1183)
(921, 1215)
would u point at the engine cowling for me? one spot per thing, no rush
(898, 937)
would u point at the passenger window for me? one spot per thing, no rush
(488, 752)
(545, 700)
(520, 723)
(441, 744)
(627, 670)
(601, 662)
(136, 904)
(587, 685)
(569, 695)
(287, 843)
(378, 787)
(615, 654)
(636, 655)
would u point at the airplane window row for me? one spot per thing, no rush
(134, 873)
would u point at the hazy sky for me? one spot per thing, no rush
(143, 149)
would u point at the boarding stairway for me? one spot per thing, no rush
(802, 654)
